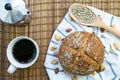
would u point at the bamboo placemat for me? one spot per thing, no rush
(46, 15)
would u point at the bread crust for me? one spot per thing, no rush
(81, 53)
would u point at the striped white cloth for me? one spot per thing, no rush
(111, 61)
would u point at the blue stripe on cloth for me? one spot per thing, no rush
(118, 49)
(113, 51)
(96, 31)
(100, 76)
(102, 36)
(106, 52)
(51, 55)
(114, 78)
(116, 54)
(54, 42)
(112, 68)
(70, 24)
(61, 32)
(87, 78)
(111, 20)
(98, 15)
(53, 69)
(117, 77)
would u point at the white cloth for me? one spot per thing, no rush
(111, 61)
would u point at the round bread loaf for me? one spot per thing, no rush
(81, 53)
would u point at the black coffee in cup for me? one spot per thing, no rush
(24, 51)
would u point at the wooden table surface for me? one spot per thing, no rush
(46, 15)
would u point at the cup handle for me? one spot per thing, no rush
(11, 69)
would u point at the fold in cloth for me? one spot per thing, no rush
(111, 61)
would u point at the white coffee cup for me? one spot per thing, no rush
(16, 64)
